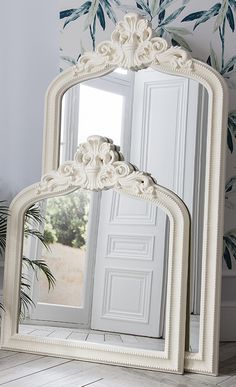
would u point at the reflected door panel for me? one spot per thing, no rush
(169, 124)
(129, 286)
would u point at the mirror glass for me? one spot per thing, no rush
(160, 122)
(94, 268)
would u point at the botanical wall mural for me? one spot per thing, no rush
(205, 28)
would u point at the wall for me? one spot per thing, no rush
(29, 61)
(207, 29)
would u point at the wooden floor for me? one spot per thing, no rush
(27, 370)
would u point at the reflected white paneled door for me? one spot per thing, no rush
(169, 140)
(129, 267)
(130, 278)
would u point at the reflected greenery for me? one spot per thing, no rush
(66, 219)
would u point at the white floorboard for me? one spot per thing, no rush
(28, 370)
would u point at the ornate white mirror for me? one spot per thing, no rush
(168, 113)
(115, 280)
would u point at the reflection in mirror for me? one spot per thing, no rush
(160, 122)
(92, 270)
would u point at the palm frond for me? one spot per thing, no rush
(25, 301)
(40, 264)
(36, 234)
(34, 215)
(3, 233)
(4, 212)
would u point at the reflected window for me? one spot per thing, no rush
(65, 232)
(100, 112)
(101, 106)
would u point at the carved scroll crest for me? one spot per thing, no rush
(133, 45)
(98, 165)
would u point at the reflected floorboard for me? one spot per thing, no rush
(93, 336)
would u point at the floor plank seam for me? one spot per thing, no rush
(33, 373)
(16, 365)
(11, 355)
(225, 380)
(89, 384)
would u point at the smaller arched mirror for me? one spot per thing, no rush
(86, 242)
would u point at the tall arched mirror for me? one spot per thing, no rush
(167, 112)
(160, 121)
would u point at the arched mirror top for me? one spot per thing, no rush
(99, 165)
(133, 46)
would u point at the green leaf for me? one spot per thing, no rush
(227, 258)
(221, 15)
(230, 141)
(230, 183)
(213, 11)
(25, 302)
(4, 212)
(228, 65)
(34, 215)
(4, 209)
(231, 245)
(40, 264)
(164, 5)
(233, 4)
(130, 8)
(178, 31)
(154, 4)
(3, 233)
(208, 61)
(214, 61)
(101, 17)
(67, 13)
(193, 16)
(230, 18)
(178, 40)
(144, 6)
(232, 122)
(91, 14)
(232, 236)
(69, 59)
(172, 17)
(36, 234)
(82, 10)
(109, 11)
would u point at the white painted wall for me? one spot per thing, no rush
(29, 61)
(29, 34)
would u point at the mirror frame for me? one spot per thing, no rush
(133, 46)
(98, 165)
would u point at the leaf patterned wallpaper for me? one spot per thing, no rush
(205, 28)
